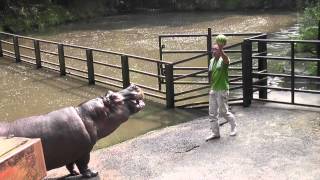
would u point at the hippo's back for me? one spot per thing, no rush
(63, 135)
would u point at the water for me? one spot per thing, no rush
(26, 91)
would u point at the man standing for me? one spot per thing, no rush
(219, 91)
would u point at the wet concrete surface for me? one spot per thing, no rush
(274, 142)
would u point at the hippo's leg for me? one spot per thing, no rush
(82, 165)
(70, 168)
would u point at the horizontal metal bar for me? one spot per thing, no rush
(235, 88)
(272, 57)
(150, 88)
(53, 69)
(131, 56)
(191, 74)
(189, 59)
(235, 83)
(26, 47)
(6, 51)
(51, 63)
(189, 68)
(192, 82)
(29, 38)
(145, 73)
(108, 65)
(30, 62)
(193, 104)
(181, 35)
(192, 90)
(307, 59)
(75, 69)
(108, 83)
(183, 51)
(48, 52)
(307, 91)
(77, 75)
(107, 77)
(154, 95)
(76, 58)
(235, 79)
(9, 55)
(235, 62)
(269, 87)
(6, 42)
(298, 104)
(191, 97)
(307, 77)
(271, 74)
(285, 41)
(28, 57)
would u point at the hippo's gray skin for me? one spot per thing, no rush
(69, 134)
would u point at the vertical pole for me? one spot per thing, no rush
(37, 53)
(262, 65)
(292, 73)
(159, 66)
(61, 60)
(16, 48)
(209, 50)
(125, 71)
(169, 85)
(1, 52)
(246, 49)
(318, 50)
(90, 66)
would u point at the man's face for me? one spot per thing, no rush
(215, 51)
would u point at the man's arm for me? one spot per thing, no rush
(225, 58)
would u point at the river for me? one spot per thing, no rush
(26, 91)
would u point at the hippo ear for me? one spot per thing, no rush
(109, 93)
(116, 98)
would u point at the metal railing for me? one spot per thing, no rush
(190, 97)
(257, 80)
(37, 52)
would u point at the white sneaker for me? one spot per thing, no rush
(212, 136)
(233, 132)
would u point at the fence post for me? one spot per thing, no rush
(37, 53)
(318, 51)
(169, 85)
(262, 65)
(246, 49)
(209, 50)
(61, 60)
(90, 66)
(292, 73)
(1, 52)
(16, 48)
(125, 71)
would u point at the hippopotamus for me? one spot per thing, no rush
(69, 134)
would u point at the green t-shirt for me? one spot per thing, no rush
(219, 74)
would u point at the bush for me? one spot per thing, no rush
(309, 27)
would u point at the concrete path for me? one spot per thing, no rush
(274, 142)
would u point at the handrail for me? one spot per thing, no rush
(94, 49)
(189, 59)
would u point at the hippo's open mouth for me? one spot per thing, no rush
(133, 96)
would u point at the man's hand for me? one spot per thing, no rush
(223, 54)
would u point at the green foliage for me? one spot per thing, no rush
(32, 18)
(309, 27)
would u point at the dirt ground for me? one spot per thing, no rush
(274, 142)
